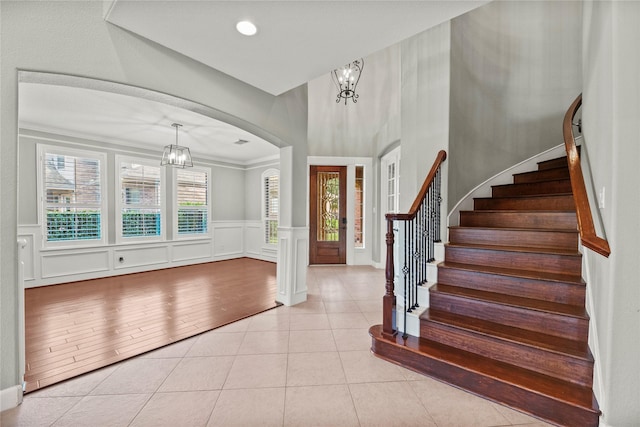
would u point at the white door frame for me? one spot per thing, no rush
(355, 256)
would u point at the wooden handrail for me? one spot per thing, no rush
(583, 210)
(440, 158)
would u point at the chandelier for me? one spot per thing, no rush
(176, 156)
(346, 79)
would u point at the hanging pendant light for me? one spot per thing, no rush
(176, 156)
(346, 79)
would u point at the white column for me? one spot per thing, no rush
(293, 244)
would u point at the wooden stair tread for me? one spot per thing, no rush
(550, 251)
(498, 229)
(510, 300)
(542, 181)
(534, 382)
(559, 169)
(526, 274)
(560, 162)
(576, 349)
(522, 211)
(527, 196)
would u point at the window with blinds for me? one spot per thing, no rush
(141, 199)
(271, 206)
(193, 201)
(72, 195)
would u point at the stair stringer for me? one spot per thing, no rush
(593, 341)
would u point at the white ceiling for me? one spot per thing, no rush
(128, 120)
(297, 41)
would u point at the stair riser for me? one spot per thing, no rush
(519, 238)
(553, 263)
(541, 406)
(564, 293)
(543, 175)
(542, 220)
(557, 365)
(539, 203)
(560, 162)
(573, 328)
(531, 188)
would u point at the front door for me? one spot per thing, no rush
(327, 215)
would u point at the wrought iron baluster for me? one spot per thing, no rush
(405, 271)
(439, 200)
(421, 230)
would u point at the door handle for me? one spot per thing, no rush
(344, 223)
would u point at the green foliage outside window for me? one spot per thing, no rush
(73, 225)
(140, 224)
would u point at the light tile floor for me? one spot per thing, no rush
(307, 365)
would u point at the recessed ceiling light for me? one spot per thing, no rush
(241, 142)
(246, 27)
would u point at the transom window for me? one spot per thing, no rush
(192, 190)
(72, 183)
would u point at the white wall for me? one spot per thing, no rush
(515, 68)
(611, 128)
(73, 38)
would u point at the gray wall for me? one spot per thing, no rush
(253, 191)
(515, 67)
(425, 108)
(611, 117)
(73, 38)
(351, 130)
(227, 189)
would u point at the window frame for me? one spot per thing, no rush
(176, 207)
(41, 194)
(263, 205)
(120, 239)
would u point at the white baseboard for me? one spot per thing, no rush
(10, 397)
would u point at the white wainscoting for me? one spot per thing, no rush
(254, 243)
(139, 256)
(293, 258)
(27, 253)
(72, 262)
(48, 266)
(190, 251)
(228, 239)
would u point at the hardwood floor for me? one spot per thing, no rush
(78, 327)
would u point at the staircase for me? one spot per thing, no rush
(506, 319)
